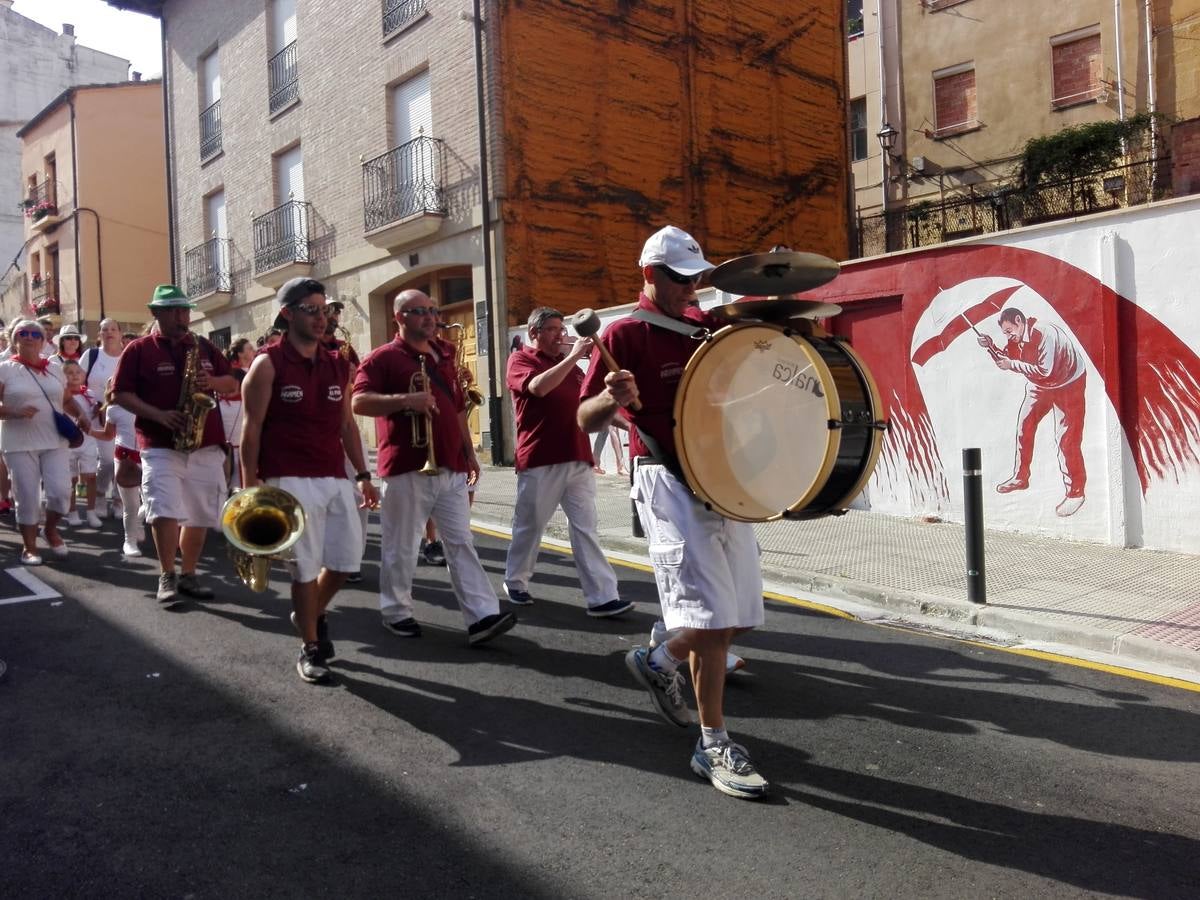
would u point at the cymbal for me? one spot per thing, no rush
(774, 274)
(774, 310)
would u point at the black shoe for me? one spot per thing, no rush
(518, 597)
(610, 609)
(354, 578)
(490, 626)
(408, 628)
(324, 644)
(166, 596)
(433, 553)
(190, 586)
(311, 667)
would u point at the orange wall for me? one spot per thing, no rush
(619, 118)
(122, 175)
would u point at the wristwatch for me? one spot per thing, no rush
(363, 476)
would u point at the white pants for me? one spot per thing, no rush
(84, 460)
(187, 487)
(105, 468)
(35, 471)
(408, 501)
(540, 491)
(706, 566)
(331, 538)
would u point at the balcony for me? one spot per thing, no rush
(404, 195)
(43, 295)
(208, 277)
(998, 206)
(41, 207)
(284, 79)
(210, 132)
(283, 243)
(399, 14)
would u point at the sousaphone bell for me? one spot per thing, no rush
(261, 524)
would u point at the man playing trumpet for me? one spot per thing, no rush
(425, 460)
(182, 490)
(297, 431)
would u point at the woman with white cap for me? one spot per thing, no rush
(31, 391)
(70, 345)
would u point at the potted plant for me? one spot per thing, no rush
(39, 210)
(47, 306)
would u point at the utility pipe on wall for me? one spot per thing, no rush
(883, 112)
(1120, 76)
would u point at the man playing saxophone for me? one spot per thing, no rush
(297, 431)
(425, 459)
(157, 379)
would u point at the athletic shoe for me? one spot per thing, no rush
(665, 689)
(660, 635)
(324, 645)
(489, 627)
(72, 518)
(130, 550)
(311, 667)
(59, 550)
(190, 586)
(518, 597)
(354, 578)
(408, 628)
(5, 506)
(727, 765)
(93, 520)
(30, 559)
(166, 595)
(610, 609)
(434, 554)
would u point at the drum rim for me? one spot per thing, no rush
(833, 405)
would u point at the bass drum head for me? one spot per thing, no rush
(752, 422)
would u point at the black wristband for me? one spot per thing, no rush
(363, 476)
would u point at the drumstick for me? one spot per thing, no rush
(587, 325)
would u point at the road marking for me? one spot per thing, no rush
(40, 590)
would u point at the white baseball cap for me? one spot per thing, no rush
(677, 250)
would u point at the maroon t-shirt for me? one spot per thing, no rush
(547, 432)
(152, 368)
(302, 429)
(389, 370)
(656, 357)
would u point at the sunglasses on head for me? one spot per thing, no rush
(678, 277)
(421, 311)
(28, 333)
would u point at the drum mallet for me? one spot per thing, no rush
(587, 325)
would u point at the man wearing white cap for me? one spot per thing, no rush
(706, 566)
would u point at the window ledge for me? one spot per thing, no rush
(211, 157)
(955, 130)
(396, 32)
(1071, 103)
(279, 112)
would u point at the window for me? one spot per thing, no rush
(221, 337)
(411, 109)
(954, 99)
(210, 106)
(1075, 67)
(854, 18)
(283, 68)
(858, 129)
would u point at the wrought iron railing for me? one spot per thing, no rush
(210, 131)
(207, 268)
(283, 236)
(41, 201)
(982, 209)
(284, 80)
(40, 287)
(406, 180)
(398, 13)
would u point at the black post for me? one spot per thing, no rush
(973, 515)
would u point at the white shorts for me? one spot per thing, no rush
(332, 537)
(188, 487)
(85, 458)
(706, 566)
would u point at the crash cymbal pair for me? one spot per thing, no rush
(774, 276)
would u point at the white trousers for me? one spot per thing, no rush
(105, 468)
(408, 501)
(706, 566)
(540, 491)
(35, 471)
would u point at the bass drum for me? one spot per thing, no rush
(773, 423)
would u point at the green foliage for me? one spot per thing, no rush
(1078, 150)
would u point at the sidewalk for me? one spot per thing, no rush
(1134, 608)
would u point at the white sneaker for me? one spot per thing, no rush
(130, 549)
(72, 518)
(114, 509)
(93, 520)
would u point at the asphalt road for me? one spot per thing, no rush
(146, 753)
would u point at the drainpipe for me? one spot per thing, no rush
(75, 216)
(1120, 77)
(1151, 99)
(883, 111)
(99, 253)
(166, 89)
(495, 328)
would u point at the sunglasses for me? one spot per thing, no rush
(309, 309)
(26, 333)
(421, 311)
(679, 278)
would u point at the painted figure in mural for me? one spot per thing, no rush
(1051, 362)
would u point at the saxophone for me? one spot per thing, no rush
(466, 381)
(194, 404)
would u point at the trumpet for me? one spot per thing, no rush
(466, 384)
(260, 523)
(422, 423)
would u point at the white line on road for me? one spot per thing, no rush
(40, 590)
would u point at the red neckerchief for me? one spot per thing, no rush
(67, 357)
(40, 366)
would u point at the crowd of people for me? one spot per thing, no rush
(117, 417)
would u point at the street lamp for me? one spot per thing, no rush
(887, 138)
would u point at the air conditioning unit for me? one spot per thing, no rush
(918, 164)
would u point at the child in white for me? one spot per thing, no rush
(85, 458)
(128, 473)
